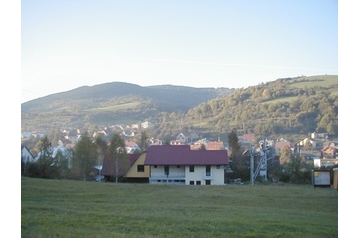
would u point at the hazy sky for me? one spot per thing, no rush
(66, 44)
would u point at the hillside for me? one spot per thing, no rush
(282, 107)
(289, 106)
(115, 102)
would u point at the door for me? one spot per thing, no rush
(166, 170)
(208, 170)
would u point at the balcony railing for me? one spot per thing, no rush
(163, 175)
(208, 175)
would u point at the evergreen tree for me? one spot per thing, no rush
(234, 145)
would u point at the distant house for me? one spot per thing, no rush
(146, 124)
(181, 165)
(319, 136)
(187, 137)
(199, 144)
(177, 142)
(26, 155)
(330, 152)
(279, 145)
(310, 155)
(305, 141)
(131, 146)
(246, 138)
(215, 145)
(323, 162)
(153, 141)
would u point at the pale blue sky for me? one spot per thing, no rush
(67, 44)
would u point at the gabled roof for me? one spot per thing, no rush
(133, 158)
(130, 143)
(281, 144)
(215, 145)
(183, 155)
(109, 167)
(248, 136)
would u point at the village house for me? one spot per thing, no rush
(246, 138)
(215, 145)
(181, 165)
(279, 145)
(26, 155)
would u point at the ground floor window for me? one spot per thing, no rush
(207, 182)
(198, 182)
(191, 182)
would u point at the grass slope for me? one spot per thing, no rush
(60, 208)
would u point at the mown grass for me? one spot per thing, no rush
(62, 208)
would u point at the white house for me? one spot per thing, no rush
(180, 165)
(26, 155)
(146, 124)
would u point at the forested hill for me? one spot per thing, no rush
(170, 97)
(112, 103)
(285, 106)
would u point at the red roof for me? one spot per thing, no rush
(133, 158)
(248, 136)
(183, 155)
(281, 144)
(109, 165)
(215, 145)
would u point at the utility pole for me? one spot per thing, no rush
(118, 150)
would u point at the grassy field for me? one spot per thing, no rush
(62, 208)
(325, 81)
(119, 107)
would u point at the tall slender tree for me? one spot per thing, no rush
(85, 156)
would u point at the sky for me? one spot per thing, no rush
(236, 44)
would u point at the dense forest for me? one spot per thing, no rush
(285, 106)
(288, 106)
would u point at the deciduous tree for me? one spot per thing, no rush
(85, 156)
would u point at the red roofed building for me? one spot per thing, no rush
(181, 165)
(215, 145)
(246, 138)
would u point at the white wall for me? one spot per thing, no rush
(199, 172)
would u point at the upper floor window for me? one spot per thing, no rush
(191, 168)
(140, 168)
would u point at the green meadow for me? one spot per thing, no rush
(66, 208)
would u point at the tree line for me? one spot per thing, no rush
(77, 163)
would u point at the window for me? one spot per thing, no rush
(207, 182)
(191, 168)
(191, 182)
(178, 166)
(155, 166)
(198, 182)
(218, 166)
(140, 168)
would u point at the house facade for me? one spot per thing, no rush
(137, 172)
(181, 165)
(26, 155)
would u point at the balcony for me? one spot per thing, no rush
(208, 175)
(163, 175)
